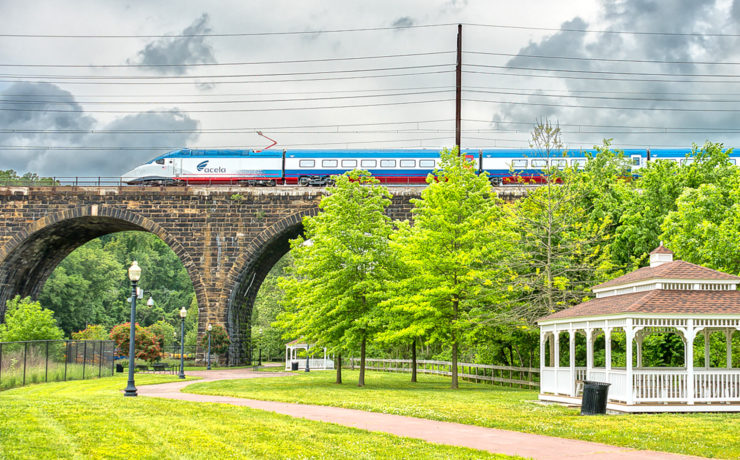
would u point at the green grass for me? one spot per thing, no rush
(55, 372)
(710, 435)
(92, 419)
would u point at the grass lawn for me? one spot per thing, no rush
(92, 419)
(709, 435)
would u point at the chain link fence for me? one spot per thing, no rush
(38, 361)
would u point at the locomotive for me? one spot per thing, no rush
(399, 166)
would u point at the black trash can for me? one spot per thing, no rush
(294, 366)
(119, 368)
(594, 397)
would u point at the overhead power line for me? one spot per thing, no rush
(662, 109)
(596, 59)
(607, 72)
(602, 31)
(572, 77)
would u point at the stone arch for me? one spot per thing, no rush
(27, 259)
(246, 276)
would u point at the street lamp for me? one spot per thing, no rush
(210, 328)
(307, 347)
(134, 273)
(150, 302)
(183, 314)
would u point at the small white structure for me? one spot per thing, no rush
(291, 356)
(667, 297)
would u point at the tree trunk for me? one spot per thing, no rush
(413, 360)
(339, 368)
(361, 382)
(454, 384)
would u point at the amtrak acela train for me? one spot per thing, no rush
(402, 166)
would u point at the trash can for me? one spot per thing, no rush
(594, 397)
(294, 366)
(119, 368)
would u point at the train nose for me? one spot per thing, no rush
(131, 176)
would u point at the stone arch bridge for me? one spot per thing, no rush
(227, 238)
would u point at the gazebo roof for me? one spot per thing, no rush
(659, 301)
(676, 270)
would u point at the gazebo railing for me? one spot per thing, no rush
(652, 385)
(715, 385)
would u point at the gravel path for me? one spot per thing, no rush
(456, 434)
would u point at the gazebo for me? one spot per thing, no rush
(291, 356)
(668, 297)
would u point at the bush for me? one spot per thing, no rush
(219, 340)
(164, 333)
(146, 345)
(91, 332)
(26, 320)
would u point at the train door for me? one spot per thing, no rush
(636, 162)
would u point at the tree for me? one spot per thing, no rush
(27, 320)
(451, 255)
(146, 345)
(92, 332)
(331, 293)
(563, 230)
(165, 333)
(267, 306)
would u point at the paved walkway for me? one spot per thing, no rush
(456, 434)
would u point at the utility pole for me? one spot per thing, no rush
(458, 88)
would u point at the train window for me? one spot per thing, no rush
(635, 161)
(329, 163)
(560, 163)
(539, 163)
(387, 163)
(306, 163)
(408, 163)
(426, 163)
(578, 163)
(349, 163)
(732, 161)
(519, 164)
(369, 163)
(160, 161)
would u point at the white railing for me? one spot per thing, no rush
(547, 380)
(566, 382)
(618, 389)
(317, 364)
(717, 385)
(659, 385)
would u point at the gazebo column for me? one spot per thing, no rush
(607, 351)
(690, 336)
(638, 340)
(556, 353)
(728, 337)
(706, 333)
(543, 337)
(572, 358)
(589, 352)
(629, 335)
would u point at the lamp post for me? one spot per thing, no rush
(307, 347)
(210, 327)
(183, 314)
(134, 273)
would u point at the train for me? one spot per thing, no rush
(399, 166)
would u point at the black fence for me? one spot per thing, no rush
(38, 361)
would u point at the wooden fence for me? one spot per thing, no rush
(525, 377)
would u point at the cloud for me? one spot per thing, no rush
(51, 160)
(686, 17)
(185, 49)
(404, 21)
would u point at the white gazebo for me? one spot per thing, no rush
(668, 297)
(291, 356)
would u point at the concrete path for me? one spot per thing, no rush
(456, 434)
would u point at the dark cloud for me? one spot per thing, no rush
(41, 152)
(735, 12)
(179, 50)
(404, 21)
(681, 17)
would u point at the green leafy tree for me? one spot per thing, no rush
(451, 255)
(267, 306)
(92, 332)
(165, 333)
(331, 295)
(10, 177)
(27, 320)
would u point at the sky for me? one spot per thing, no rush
(98, 93)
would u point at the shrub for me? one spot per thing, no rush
(26, 320)
(219, 340)
(92, 332)
(146, 344)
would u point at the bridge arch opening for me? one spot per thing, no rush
(29, 259)
(250, 272)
